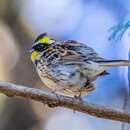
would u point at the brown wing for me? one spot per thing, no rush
(81, 48)
(76, 51)
(71, 52)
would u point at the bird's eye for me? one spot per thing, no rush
(39, 47)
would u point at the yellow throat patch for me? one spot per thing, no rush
(34, 55)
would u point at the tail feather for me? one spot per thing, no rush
(111, 63)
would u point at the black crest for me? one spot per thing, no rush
(40, 36)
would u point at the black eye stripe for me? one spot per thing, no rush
(40, 47)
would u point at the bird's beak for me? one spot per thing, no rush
(31, 50)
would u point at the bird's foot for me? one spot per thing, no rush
(78, 97)
(54, 104)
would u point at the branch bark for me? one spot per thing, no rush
(53, 100)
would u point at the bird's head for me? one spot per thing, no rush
(40, 44)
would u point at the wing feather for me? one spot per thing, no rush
(74, 52)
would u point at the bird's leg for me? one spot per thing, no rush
(55, 89)
(54, 92)
(88, 88)
(57, 95)
(79, 96)
(80, 91)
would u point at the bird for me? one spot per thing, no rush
(69, 68)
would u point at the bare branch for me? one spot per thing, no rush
(54, 100)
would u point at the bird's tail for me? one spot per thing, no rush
(111, 63)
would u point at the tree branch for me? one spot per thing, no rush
(54, 100)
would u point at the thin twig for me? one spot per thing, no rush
(53, 100)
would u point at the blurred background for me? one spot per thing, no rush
(103, 25)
